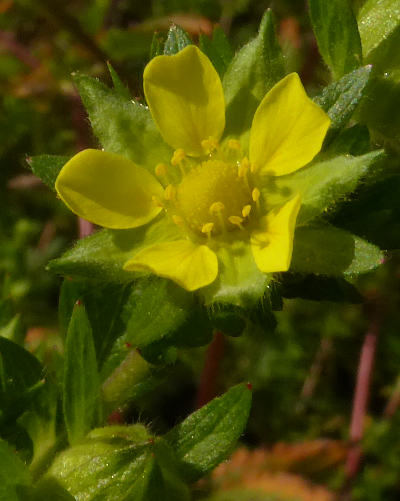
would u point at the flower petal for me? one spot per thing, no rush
(189, 265)
(108, 190)
(287, 130)
(185, 96)
(272, 245)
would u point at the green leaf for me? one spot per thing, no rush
(102, 255)
(335, 28)
(122, 126)
(341, 98)
(354, 140)
(325, 250)
(207, 436)
(118, 85)
(119, 462)
(253, 71)
(378, 21)
(217, 49)
(20, 374)
(177, 39)
(322, 185)
(13, 474)
(319, 288)
(47, 167)
(157, 45)
(81, 397)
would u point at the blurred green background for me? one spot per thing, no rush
(303, 373)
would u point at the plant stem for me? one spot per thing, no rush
(361, 394)
(207, 386)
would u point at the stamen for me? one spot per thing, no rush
(216, 207)
(246, 210)
(170, 192)
(207, 228)
(255, 194)
(234, 144)
(237, 221)
(178, 156)
(161, 170)
(209, 145)
(242, 170)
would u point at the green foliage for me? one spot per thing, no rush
(81, 398)
(335, 28)
(13, 474)
(47, 167)
(217, 49)
(207, 436)
(177, 39)
(119, 87)
(253, 71)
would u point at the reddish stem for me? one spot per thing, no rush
(361, 394)
(207, 386)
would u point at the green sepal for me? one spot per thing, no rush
(322, 185)
(102, 255)
(177, 39)
(319, 288)
(47, 167)
(207, 436)
(122, 125)
(217, 49)
(14, 475)
(253, 71)
(228, 318)
(119, 462)
(81, 389)
(335, 28)
(157, 45)
(325, 250)
(341, 98)
(117, 82)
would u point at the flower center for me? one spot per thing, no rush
(214, 194)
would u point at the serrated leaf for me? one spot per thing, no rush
(217, 49)
(253, 71)
(341, 98)
(177, 39)
(14, 475)
(47, 167)
(119, 463)
(207, 436)
(81, 390)
(335, 28)
(122, 126)
(118, 85)
(20, 374)
(323, 184)
(378, 21)
(325, 250)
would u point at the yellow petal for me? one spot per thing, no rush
(189, 265)
(287, 130)
(185, 96)
(108, 190)
(272, 244)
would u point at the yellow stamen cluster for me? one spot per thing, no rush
(213, 194)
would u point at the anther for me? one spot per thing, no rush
(255, 194)
(170, 192)
(236, 220)
(207, 228)
(242, 170)
(234, 144)
(216, 207)
(178, 156)
(246, 210)
(209, 145)
(160, 170)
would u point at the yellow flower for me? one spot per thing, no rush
(212, 189)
